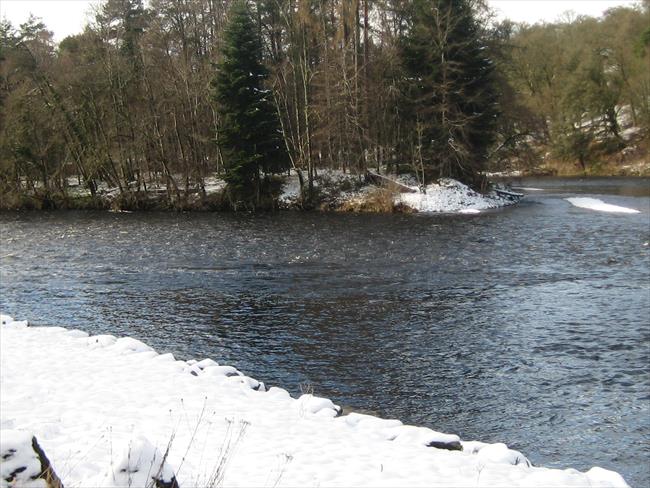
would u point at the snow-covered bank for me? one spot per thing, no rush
(349, 192)
(599, 205)
(99, 404)
(451, 196)
(332, 190)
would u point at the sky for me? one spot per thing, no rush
(65, 17)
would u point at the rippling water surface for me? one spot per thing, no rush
(527, 325)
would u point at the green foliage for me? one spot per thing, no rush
(645, 38)
(450, 89)
(129, 20)
(249, 132)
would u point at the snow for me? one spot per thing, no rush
(336, 188)
(290, 190)
(328, 180)
(140, 464)
(450, 196)
(630, 133)
(599, 205)
(214, 184)
(111, 411)
(499, 453)
(504, 174)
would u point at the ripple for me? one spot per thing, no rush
(503, 328)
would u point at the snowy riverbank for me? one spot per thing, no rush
(333, 190)
(101, 408)
(451, 196)
(348, 192)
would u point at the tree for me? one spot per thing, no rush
(30, 148)
(249, 132)
(450, 89)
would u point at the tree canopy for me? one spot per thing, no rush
(157, 97)
(249, 131)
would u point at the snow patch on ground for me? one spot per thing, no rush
(335, 186)
(450, 196)
(504, 174)
(105, 408)
(214, 184)
(290, 190)
(141, 464)
(599, 205)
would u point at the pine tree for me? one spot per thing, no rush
(450, 89)
(249, 132)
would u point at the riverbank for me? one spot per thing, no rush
(333, 190)
(105, 410)
(630, 160)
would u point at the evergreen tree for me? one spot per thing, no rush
(249, 132)
(450, 89)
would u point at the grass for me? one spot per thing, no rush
(228, 447)
(378, 200)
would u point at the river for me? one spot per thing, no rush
(527, 325)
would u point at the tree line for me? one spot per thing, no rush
(160, 97)
(569, 85)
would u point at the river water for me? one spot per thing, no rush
(527, 325)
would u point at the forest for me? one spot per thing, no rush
(158, 97)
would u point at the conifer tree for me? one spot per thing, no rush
(249, 132)
(450, 90)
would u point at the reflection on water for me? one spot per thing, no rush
(625, 186)
(527, 325)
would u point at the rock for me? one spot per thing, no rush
(318, 406)
(5, 319)
(251, 383)
(99, 341)
(449, 446)
(473, 447)
(8, 321)
(410, 434)
(128, 345)
(499, 453)
(23, 462)
(206, 363)
(227, 371)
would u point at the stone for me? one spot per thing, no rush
(449, 446)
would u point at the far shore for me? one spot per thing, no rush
(334, 191)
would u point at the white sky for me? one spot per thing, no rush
(66, 17)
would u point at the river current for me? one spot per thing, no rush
(527, 325)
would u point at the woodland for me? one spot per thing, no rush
(158, 97)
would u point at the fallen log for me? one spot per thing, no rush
(510, 195)
(384, 181)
